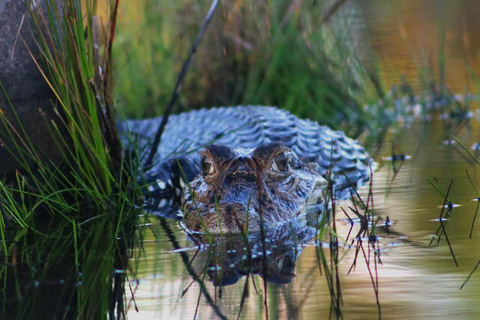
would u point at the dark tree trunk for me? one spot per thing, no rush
(31, 98)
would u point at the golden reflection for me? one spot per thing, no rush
(409, 36)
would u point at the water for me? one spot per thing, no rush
(410, 36)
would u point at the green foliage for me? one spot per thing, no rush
(271, 53)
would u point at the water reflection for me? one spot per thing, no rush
(272, 254)
(412, 36)
(55, 272)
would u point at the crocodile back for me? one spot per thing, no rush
(335, 155)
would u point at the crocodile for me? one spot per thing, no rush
(258, 151)
(240, 188)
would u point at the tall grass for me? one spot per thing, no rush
(70, 223)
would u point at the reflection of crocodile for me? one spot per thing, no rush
(307, 150)
(239, 255)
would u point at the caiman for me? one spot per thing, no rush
(234, 169)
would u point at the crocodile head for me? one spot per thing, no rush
(238, 189)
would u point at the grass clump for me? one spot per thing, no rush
(67, 228)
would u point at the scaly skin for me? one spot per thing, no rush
(327, 152)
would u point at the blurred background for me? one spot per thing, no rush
(320, 59)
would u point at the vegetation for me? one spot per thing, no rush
(245, 58)
(71, 223)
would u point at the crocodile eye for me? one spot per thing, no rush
(280, 162)
(207, 166)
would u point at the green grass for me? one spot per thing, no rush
(269, 53)
(71, 223)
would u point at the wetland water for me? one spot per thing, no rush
(416, 280)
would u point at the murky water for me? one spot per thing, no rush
(418, 278)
